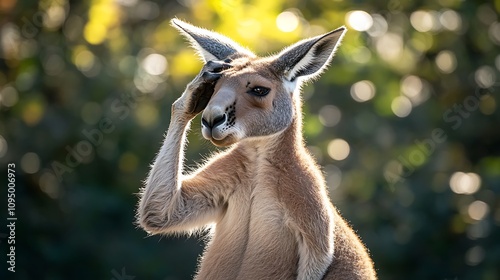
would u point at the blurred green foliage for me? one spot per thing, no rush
(405, 123)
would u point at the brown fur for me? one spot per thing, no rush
(264, 197)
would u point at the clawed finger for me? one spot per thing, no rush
(223, 66)
(217, 66)
(209, 77)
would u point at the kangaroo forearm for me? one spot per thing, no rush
(167, 167)
(161, 196)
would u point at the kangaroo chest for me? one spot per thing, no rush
(251, 241)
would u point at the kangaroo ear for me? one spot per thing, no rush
(309, 57)
(210, 45)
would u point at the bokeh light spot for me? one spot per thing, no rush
(84, 60)
(494, 32)
(415, 89)
(423, 21)
(362, 91)
(485, 76)
(287, 21)
(401, 106)
(127, 3)
(393, 171)
(465, 183)
(8, 96)
(146, 83)
(474, 255)
(379, 26)
(477, 210)
(329, 115)
(338, 149)
(9, 40)
(30, 163)
(446, 61)
(54, 17)
(390, 46)
(450, 20)
(359, 20)
(480, 229)
(486, 14)
(422, 42)
(147, 10)
(155, 64)
(95, 33)
(32, 112)
(48, 184)
(411, 86)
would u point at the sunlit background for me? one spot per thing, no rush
(405, 124)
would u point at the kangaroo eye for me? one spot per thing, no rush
(259, 91)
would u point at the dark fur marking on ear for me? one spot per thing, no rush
(211, 44)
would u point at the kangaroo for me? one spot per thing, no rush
(263, 198)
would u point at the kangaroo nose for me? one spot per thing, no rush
(213, 122)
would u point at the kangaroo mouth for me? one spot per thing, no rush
(219, 136)
(217, 139)
(226, 141)
(223, 143)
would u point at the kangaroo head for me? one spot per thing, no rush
(256, 96)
